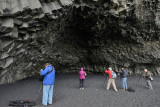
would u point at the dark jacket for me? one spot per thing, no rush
(48, 78)
(123, 74)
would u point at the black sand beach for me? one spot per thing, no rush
(94, 94)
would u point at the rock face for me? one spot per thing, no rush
(70, 34)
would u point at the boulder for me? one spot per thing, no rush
(19, 46)
(25, 37)
(66, 2)
(24, 25)
(7, 25)
(35, 5)
(54, 6)
(46, 9)
(17, 22)
(15, 32)
(3, 72)
(6, 42)
(1, 45)
(12, 34)
(27, 18)
(4, 55)
(22, 32)
(1, 11)
(24, 4)
(21, 50)
(8, 62)
(6, 7)
(15, 7)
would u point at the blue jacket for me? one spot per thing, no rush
(48, 78)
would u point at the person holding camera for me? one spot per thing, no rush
(48, 83)
(123, 75)
(148, 77)
(111, 79)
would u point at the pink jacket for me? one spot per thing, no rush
(81, 74)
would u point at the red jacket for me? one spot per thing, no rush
(109, 72)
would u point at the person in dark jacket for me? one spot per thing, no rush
(148, 77)
(123, 75)
(48, 83)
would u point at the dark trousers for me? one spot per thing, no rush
(81, 84)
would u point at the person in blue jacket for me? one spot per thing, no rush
(48, 83)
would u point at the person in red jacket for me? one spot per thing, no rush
(110, 80)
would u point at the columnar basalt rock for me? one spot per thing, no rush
(70, 34)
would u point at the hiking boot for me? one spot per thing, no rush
(82, 88)
(123, 89)
(43, 105)
(49, 104)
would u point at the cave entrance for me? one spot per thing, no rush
(91, 33)
(93, 27)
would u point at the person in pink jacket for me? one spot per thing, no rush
(82, 75)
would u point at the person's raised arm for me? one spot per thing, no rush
(106, 71)
(44, 72)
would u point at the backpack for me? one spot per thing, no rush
(21, 103)
(130, 89)
(151, 78)
(114, 76)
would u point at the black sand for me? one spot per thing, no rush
(94, 94)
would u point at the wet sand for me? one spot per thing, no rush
(94, 94)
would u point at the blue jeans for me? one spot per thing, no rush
(124, 83)
(47, 94)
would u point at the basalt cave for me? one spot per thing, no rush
(70, 34)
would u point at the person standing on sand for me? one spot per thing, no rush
(82, 75)
(110, 80)
(148, 77)
(48, 83)
(123, 75)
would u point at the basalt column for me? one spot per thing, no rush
(70, 34)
